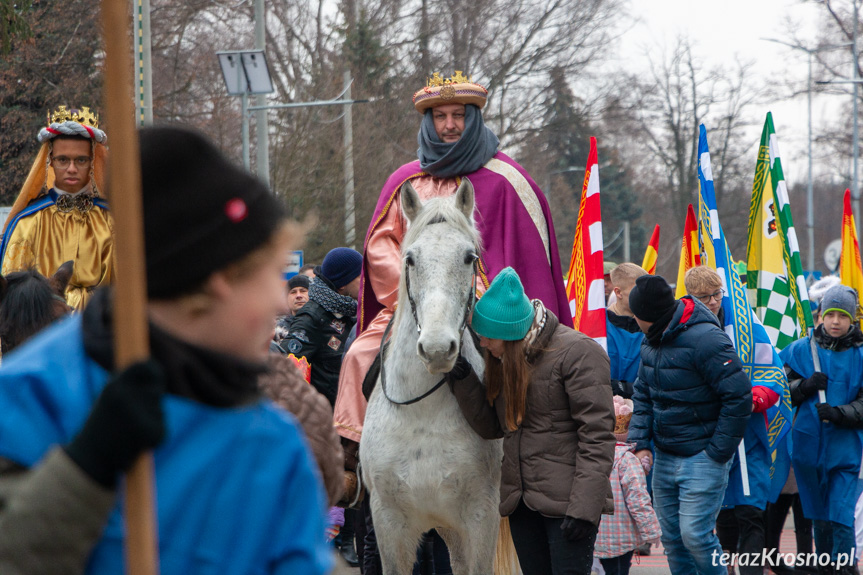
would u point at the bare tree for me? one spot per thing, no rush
(666, 109)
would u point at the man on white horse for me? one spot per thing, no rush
(512, 215)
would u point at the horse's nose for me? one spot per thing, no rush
(440, 351)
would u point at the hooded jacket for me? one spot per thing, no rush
(560, 457)
(634, 521)
(692, 394)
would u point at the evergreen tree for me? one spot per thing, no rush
(559, 151)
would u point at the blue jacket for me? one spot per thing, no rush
(237, 490)
(624, 347)
(691, 394)
(827, 457)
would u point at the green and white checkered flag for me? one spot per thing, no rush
(775, 282)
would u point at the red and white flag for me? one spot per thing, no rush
(585, 287)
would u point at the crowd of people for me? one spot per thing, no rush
(254, 398)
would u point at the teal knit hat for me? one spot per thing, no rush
(504, 312)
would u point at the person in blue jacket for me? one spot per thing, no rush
(827, 435)
(237, 490)
(693, 399)
(741, 523)
(624, 337)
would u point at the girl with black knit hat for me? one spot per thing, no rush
(236, 487)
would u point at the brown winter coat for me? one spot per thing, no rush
(284, 384)
(560, 457)
(51, 516)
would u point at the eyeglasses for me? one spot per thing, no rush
(705, 299)
(63, 162)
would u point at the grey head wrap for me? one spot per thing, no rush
(476, 146)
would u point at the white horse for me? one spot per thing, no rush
(424, 466)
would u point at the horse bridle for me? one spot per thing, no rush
(471, 299)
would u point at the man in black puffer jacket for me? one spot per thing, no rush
(693, 399)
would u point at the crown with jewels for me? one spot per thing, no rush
(83, 116)
(457, 89)
(457, 78)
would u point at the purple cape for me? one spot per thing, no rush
(509, 238)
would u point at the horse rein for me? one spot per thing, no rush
(471, 299)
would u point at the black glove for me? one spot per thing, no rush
(810, 386)
(575, 529)
(827, 412)
(126, 420)
(460, 370)
(622, 388)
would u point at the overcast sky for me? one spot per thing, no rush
(724, 29)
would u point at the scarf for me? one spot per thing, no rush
(854, 338)
(330, 300)
(193, 372)
(655, 331)
(476, 146)
(539, 318)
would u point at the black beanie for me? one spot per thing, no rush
(299, 280)
(651, 298)
(201, 212)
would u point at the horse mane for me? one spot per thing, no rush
(28, 303)
(439, 211)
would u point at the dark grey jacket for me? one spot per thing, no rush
(560, 457)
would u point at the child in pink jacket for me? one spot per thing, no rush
(634, 521)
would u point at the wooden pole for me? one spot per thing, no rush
(131, 342)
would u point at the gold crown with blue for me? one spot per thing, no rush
(457, 89)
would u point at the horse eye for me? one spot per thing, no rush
(409, 260)
(470, 257)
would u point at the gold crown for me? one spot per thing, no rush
(457, 78)
(83, 116)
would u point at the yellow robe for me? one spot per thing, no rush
(50, 237)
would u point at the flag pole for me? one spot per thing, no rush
(131, 342)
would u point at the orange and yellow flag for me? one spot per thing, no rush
(850, 270)
(690, 255)
(652, 252)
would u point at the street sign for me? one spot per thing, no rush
(293, 264)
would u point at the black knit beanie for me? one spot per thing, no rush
(342, 266)
(201, 212)
(651, 298)
(299, 280)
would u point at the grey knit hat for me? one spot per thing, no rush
(840, 298)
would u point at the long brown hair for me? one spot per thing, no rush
(510, 374)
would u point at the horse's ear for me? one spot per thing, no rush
(61, 277)
(464, 198)
(411, 204)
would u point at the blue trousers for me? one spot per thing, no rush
(687, 496)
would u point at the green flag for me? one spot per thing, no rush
(777, 288)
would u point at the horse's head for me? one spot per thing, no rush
(29, 302)
(439, 256)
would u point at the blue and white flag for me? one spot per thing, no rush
(760, 360)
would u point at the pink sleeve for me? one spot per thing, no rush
(637, 499)
(383, 256)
